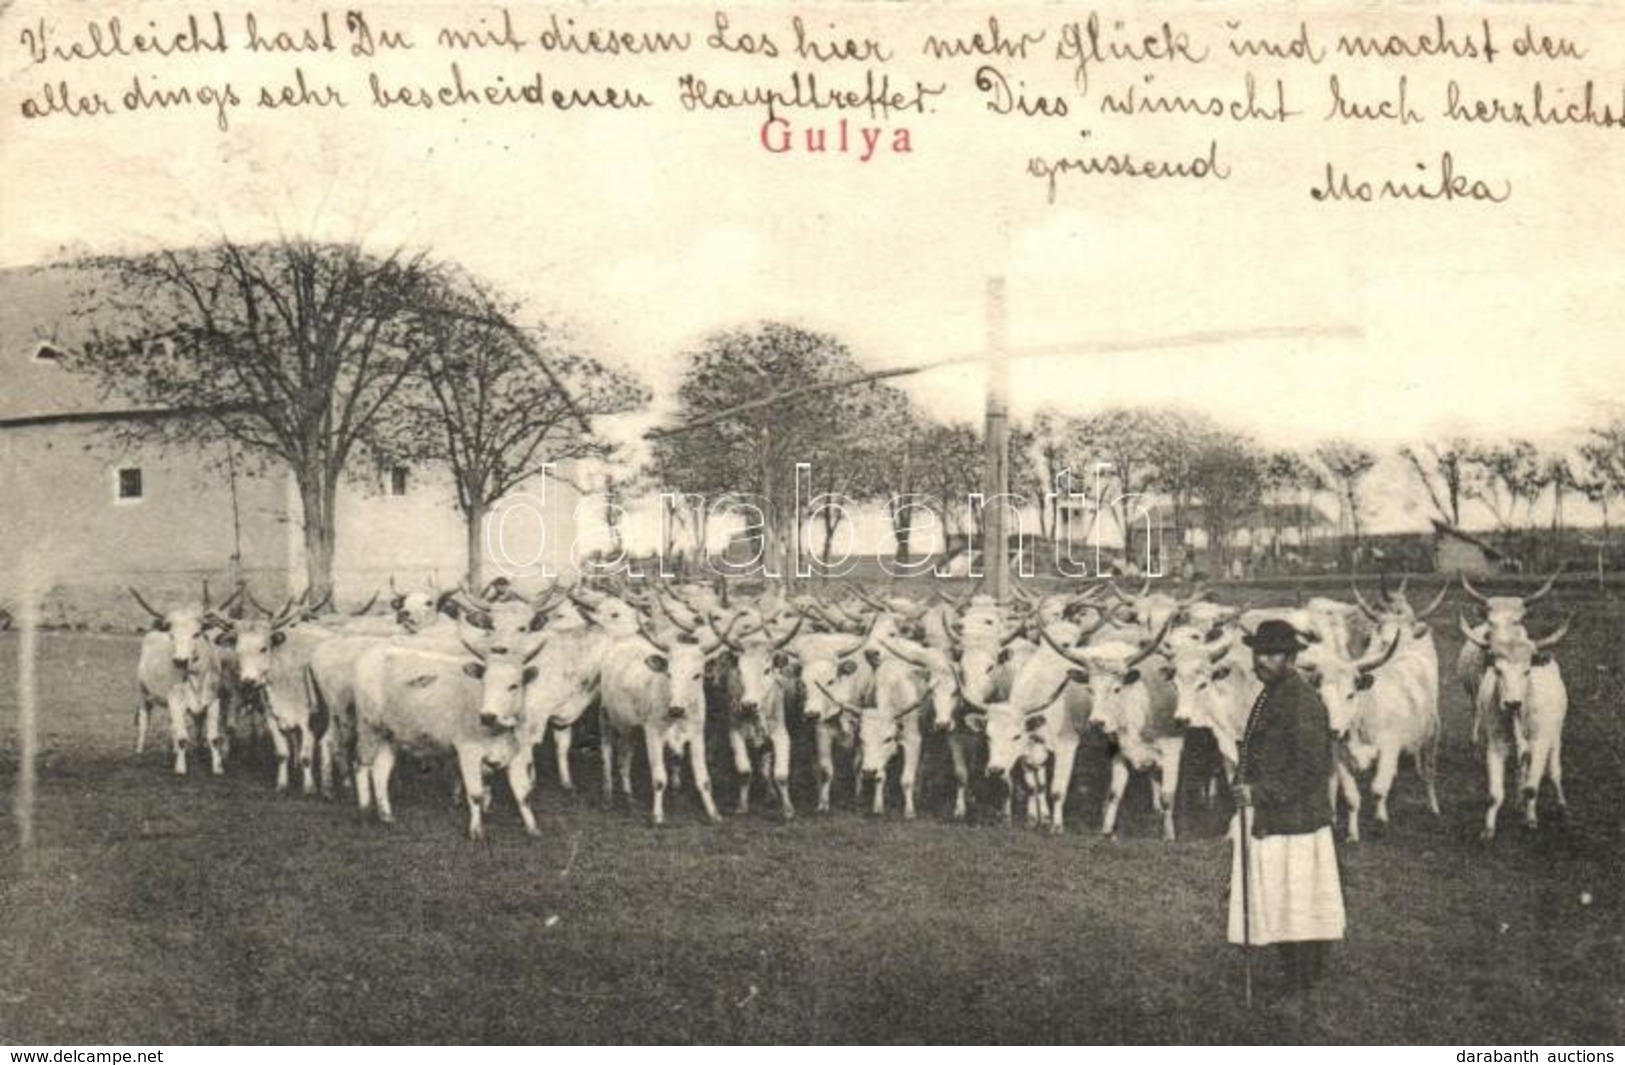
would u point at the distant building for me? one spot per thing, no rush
(99, 515)
(1456, 551)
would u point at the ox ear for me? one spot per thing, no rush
(538, 621)
(228, 639)
(528, 675)
(278, 638)
(397, 602)
(1541, 658)
(1364, 681)
(1004, 656)
(1077, 676)
(873, 656)
(656, 663)
(160, 625)
(846, 668)
(780, 659)
(1131, 677)
(1036, 722)
(1168, 672)
(480, 620)
(976, 721)
(1221, 673)
(475, 669)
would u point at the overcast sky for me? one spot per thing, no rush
(648, 230)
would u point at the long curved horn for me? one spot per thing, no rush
(1366, 607)
(836, 699)
(1433, 607)
(1015, 634)
(723, 636)
(471, 649)
(467, 595)
(534, 651)
(242, 587)
(1218, 654)
(1543, 590)
(1383, 586)
(1467, 587)
(1404, 582)
(317, 607)
(664, 609)
(146, 605)
(1467, 632)
(257, 605)
(1043, 630)
(1111, 586)
(862, 640)
(1366, 665)
(369, 605)
(643, 630)
(1156, 642)
(206, 607)
(778, 645)
(895, 652)
(1552, 640)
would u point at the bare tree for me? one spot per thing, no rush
(1603, 454)
(1441, 468)
(291, 350)
(498, 404)
(1346, 465)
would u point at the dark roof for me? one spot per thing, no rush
(1444, 528)
(38, 304)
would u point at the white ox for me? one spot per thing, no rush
(1380, 707)
(1135, 708)
(430, 702)
(1503, 620)
(1521, 704)
(838, 681)
(662, 695)
(758, 722)
(179, 670)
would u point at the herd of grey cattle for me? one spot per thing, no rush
(1008, 690)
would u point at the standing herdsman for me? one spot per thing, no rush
(1293, 893)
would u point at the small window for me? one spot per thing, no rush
(130, 486)
(398, 481)
(49, 353)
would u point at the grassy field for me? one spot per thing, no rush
(158, 910)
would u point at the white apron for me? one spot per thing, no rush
(1294, 890)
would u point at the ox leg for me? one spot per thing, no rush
(910, 778)
(879, 806)
(742, 771)
(655, 743)
(279, 740)
(180, 731)
(1427, 767)
(522, 780)
(606, 755)
(212, 736)
(1383, 783)
(1060, 782)
(826, 764)
(624, 743)
(1496, 769)
(563, 738)
(1536, 760)
(1114, 795)
(143, 718)
(857, 774)
(702, 777)
(1349, 785)
(1169, 786)
(956, 752)
(1038, 790)
(383, 764)
(307, 758)
(781, 772)
(473, 774)
(1554, 768)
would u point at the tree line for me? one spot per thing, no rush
(331, 361)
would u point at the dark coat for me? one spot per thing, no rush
(1286, 757)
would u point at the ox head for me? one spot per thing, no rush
(1514, 658)
(1342, 680)
(1017, 731)
(683, 662)
(504, 677)
(935, 679)
(1201, 679)
(1505, 614)
(254, 641)
(838, 680)
(767, 666)
(416, 611)
(188, 630)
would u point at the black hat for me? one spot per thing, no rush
(1274, 637)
